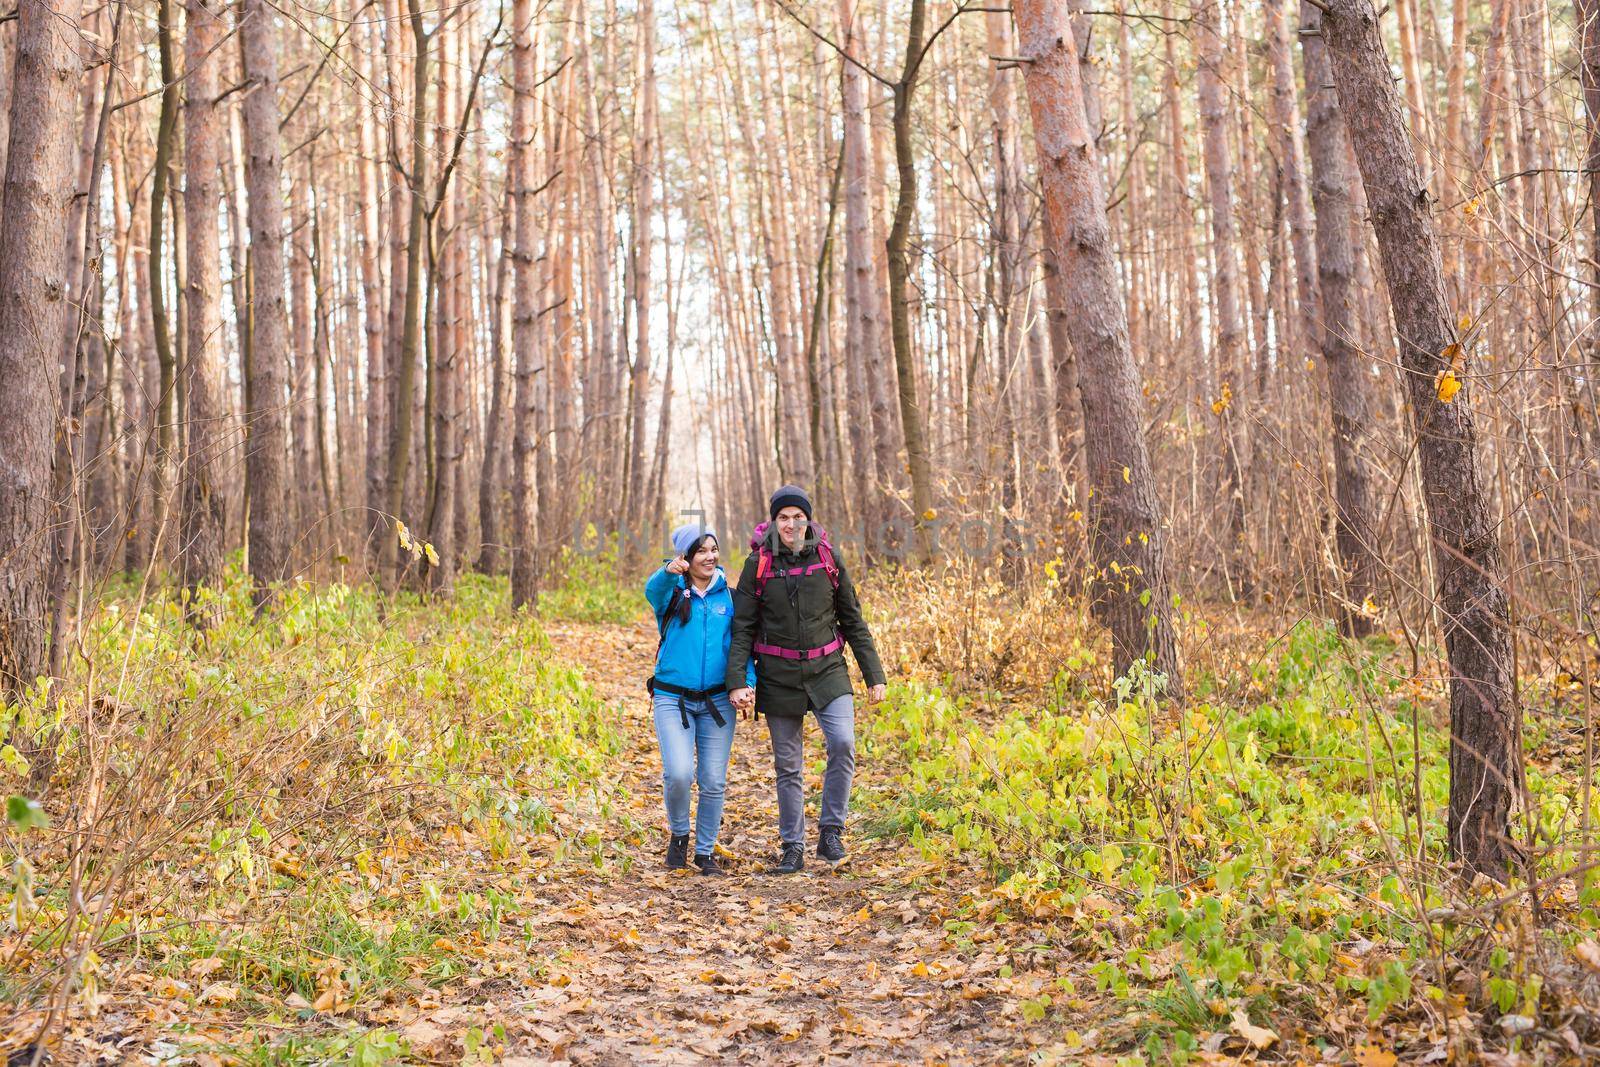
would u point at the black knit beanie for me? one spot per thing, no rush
(789, 496)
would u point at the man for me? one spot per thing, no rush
(795, 609)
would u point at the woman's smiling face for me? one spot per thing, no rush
(703, 564)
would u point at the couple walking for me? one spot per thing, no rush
(774, 646)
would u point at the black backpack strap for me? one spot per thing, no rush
(663, 620)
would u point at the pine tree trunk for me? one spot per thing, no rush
(1005, 234)
(489, 484)
(1349, 380)
(377, 377)
(200, 547)
(165, 415)
(1291, 162)
(322, 402)
(1069, 412)
(1485, 764)
(8, 54)
(525, 313)
(1128, 539)
(266, 433)
(400, 429)
(1230, 323)
(863, 331)
(898, 253)
(601, 414)
(132, 355)
(33, 315)
(302, 404)
(1589, 77)
(644, 178)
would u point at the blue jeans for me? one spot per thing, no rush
(680, 767)
(838, 721)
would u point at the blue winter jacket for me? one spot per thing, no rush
(694, 654)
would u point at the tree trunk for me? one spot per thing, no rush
(601, 414)
(165, 415)
(1485, 764)
(1589, 77)
(302, 403)
(7, 74)
(448, 352)
(1291, 163)
(411, 328)
(1005, 233)
(266, 455)
(200, 547)
(134, 354)
(1128, 538)
(525, 314)
(321, 359)
(1230, 324)
(377, 405)
(1069, 417)
(489, 485)
(644, 178)
(863, 331)
(899, 288)
(33, 315)
(1349, 380)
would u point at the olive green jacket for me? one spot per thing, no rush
(808, 619)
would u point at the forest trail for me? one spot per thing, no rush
(843, 965)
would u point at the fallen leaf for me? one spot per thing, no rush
(331, 998)
(1373, 1056)
(1259, 1036)
(426, 1037)
(219, 993)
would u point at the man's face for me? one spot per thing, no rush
(792, 523)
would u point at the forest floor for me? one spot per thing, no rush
(847, 965)
(367, 830)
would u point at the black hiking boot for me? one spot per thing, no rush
(830, 844)
(678, 853)
(708, 865)
(793, 860)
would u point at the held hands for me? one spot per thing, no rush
(875, 693)
(743, 699)
(678, 566)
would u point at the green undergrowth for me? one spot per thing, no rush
(321, 804)
(587, 584)
(1210, 858)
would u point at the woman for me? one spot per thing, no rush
(694, 719)
(797, 610)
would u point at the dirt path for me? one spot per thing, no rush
(846, 965)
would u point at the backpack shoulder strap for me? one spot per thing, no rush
(664, 619)
(825, 554)
(763, 569)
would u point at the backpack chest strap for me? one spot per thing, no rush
(799, 571)
(800, 653)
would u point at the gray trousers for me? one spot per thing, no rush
(838, 721)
